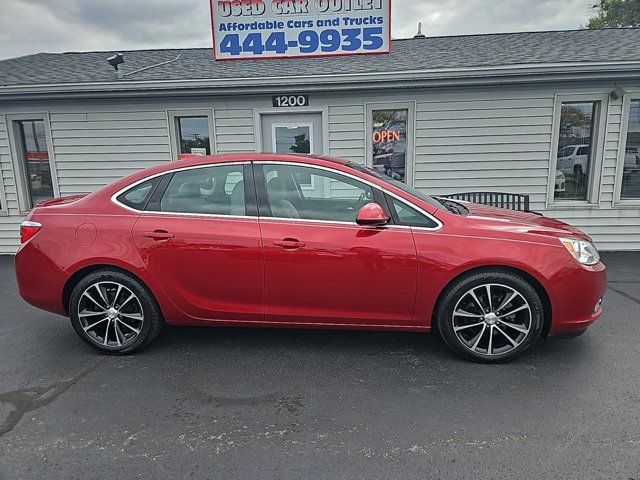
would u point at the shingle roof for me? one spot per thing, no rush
(468, 51)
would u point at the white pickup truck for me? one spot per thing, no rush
(573, 160)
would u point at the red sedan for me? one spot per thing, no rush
(303, 241)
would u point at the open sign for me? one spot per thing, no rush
(386, 136)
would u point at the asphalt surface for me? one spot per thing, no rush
(249, 403)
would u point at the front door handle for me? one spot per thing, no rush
(159, 235)
(289, 244)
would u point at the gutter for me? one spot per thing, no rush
(492, 75)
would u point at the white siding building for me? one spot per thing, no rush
(474, 113)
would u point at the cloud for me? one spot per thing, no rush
(31, 26)
(459, 17)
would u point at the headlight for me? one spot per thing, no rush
(583, 251)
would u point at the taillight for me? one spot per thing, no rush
(28, 229)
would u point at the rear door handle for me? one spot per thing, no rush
(289, 244)
(159, 235)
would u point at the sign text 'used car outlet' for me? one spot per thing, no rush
(299, 28)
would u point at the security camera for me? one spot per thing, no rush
(117, 59)
(618, 93)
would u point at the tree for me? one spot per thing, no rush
(196, 142)
(615, 14)
(300, 144)
(573, 122)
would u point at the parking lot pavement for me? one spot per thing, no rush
(249, 403)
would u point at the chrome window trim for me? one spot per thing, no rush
(438, 226)
(331, 222)
(204, 215)
(114, 197)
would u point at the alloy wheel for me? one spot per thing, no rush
(491, 319)
(110, 314)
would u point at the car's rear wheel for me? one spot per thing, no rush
(490, 316)
(113, 312)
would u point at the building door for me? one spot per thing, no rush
(292, 133)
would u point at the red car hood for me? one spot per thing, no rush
(511, 220)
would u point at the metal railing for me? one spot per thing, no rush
(512, 201)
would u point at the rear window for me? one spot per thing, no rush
(138, 196)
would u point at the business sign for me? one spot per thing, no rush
(251, 29)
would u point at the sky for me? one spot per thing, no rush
(33, 26)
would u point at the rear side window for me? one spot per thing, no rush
(405, 215)
(138, 196)
(216, 190)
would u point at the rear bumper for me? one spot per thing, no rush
(574, 292)
(40, 280)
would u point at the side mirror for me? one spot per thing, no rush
(372, 214)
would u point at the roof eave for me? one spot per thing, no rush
(490, 75)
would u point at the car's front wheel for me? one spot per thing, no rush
(113, 312)
(490, 316)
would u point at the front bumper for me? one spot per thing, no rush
(574, 292)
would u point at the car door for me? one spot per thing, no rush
(200, 239)
(320, 266)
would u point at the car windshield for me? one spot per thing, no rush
(396, 183)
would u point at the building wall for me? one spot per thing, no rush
(496, 139)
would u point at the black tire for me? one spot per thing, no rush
(458, 292)
(149, 326)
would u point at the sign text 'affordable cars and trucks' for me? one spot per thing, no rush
(252, 29)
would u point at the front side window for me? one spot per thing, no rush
(215, 190)
(334, 197)
(631, 166)
(389, 142)
(35, 160)
(575, 140)
(193, 135)
(405, 215)
(402, 186)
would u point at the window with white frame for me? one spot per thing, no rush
(578, 137)
(390, 139)
(191, 132)
(294, 138)
(630, 188)
(30, 140)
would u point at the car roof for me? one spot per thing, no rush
(192, 160)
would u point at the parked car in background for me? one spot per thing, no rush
(573, 160)
(236, 240)
(391, 164)
(632, 159)
(560, 185)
